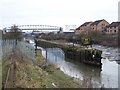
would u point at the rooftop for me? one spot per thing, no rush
(97, 22)
(114, 24)
(84, 24)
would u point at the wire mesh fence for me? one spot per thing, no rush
(10, 46)
(7, 48)
(26, 49)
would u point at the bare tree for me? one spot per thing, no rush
(13, 33)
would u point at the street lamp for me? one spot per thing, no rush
(73, 38)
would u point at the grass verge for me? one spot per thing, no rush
(5, 66)
(29, 75)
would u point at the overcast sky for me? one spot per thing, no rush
(56, 12)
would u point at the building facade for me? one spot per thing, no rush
(99, 25)
(113, 28)
(84, 28)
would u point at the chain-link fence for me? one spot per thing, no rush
(26, 49)
(9, 46)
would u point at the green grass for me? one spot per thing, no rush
(5, 66)
(29, 75)
(32, 76)
(39, 58)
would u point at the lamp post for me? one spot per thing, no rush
(73, 38)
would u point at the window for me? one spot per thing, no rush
(114, 30)
(102, 27)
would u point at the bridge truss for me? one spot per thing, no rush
(37, 28)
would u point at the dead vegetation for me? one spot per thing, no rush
(29, 75)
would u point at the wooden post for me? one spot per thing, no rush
(35, 46)
(46, 56)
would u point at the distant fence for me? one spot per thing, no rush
(26, 49)
(8, 46)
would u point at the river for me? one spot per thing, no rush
(107, 76)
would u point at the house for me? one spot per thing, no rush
(83, 28)
(99, 25)
(112, 28)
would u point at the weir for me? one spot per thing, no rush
(78, 53)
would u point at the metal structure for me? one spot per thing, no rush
(70, 27)
(36, 28)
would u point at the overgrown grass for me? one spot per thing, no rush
(57, 79)
(5, 66)
(39, 58)
(29, 75)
